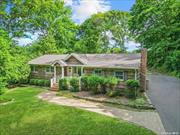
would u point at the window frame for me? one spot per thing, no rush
(34, 69)
(50, 69)
(98, 69)
(114, 74)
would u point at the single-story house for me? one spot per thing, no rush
(122, 66)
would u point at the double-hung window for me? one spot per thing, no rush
(119, 74)
(49, 69)
(98, 72)
(34, 69)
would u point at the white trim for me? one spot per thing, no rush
(55, 73)
(114, 74)
(135, 75)
(62, 72)
(60, 62)
(82, 71)
(34, 69)
(50, 70)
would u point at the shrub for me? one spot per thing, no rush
(40, 82)
(113, 93)
(84, 83)
(36, 82)
(112, 82)
(63, 84)
(104, 85)
(2, 85)
(132, 88)
(74, 84)
(47, 83)
(32, 81)
(132, 84)
(95, 82)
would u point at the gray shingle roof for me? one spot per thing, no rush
(94, 60)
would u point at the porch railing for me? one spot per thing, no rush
(53, 80)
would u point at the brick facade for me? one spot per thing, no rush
(143, 69)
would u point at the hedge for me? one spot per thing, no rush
(74, 84)
(84, 83)
(132, 88)
(40, 82)
(63, 84)
(98, 84)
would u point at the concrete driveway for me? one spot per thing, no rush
(164, 92)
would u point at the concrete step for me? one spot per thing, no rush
(55, 87)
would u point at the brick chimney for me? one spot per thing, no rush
(143, 69)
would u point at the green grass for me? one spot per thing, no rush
(28, 115)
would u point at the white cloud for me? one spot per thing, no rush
(82, 9)
(28, 39)
(68, 2)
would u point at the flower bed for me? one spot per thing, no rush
(139, 103)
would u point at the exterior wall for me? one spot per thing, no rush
(128, 73)
(41, 73)
(73, 61)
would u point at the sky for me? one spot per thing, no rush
(83, 9)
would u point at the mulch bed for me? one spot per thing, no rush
(115, 100)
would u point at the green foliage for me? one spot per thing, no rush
(98, 84)
(114, 93)
(40, 82)
(132, 84)
(132, 88)
(13, 63)
(63, 84)
(47, 83)
(32, 115)
(112, 82)
(2, 85)
(84, 83)
(94, 33)
(74, 84)
(32, 81)
(95, 82)
(155, 24)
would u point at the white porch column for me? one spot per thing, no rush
(135, 76)
(62, 72)
(54, 74)
(81, 71)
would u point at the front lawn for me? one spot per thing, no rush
(28, 115)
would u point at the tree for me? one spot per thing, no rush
(102, 32)
(13, 64)
(4, 58)
(44, 45)
(49, 18)
(155, 24)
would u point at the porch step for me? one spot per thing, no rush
(55, 87)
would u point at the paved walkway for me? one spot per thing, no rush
(148, 119)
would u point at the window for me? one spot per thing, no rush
(49, 69)
(98, 72)
(34, 69)
(119, 74)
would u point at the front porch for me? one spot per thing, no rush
(65, 71)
